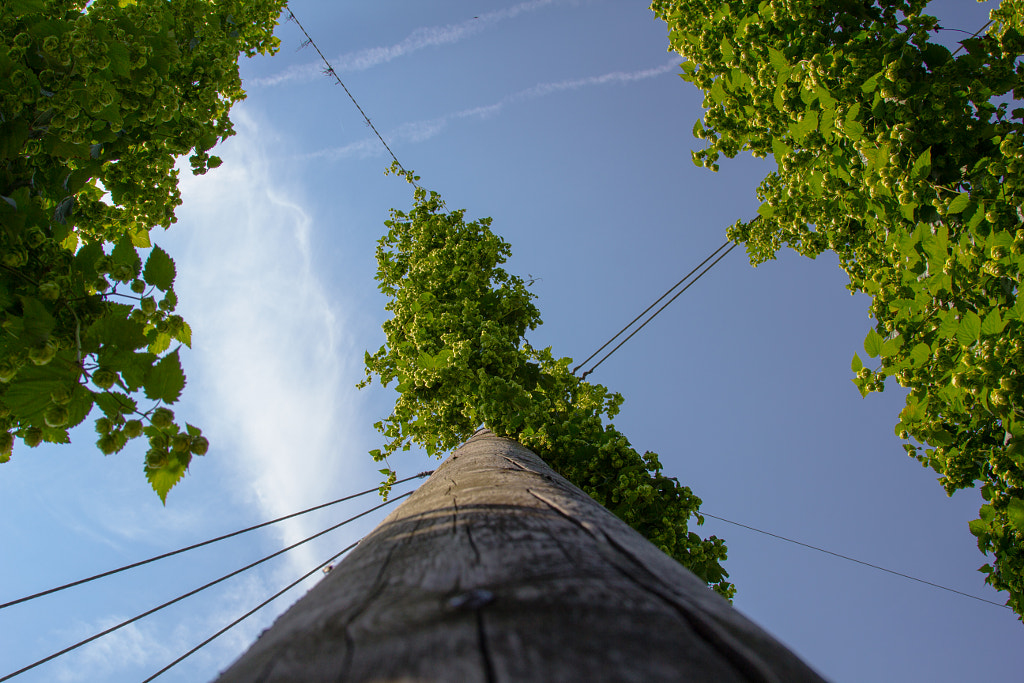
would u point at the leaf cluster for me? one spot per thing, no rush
(96, 104)
(456, 347)
(907, 161)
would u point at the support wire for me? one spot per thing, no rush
(255, 609)
(655, 314)
(200, 545)
(853, 559)
(197, 590)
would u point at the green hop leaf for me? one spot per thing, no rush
(873, 343)
(959, 203)
(163, 479)
(166, 380)
(159, 270)
(1015, 512)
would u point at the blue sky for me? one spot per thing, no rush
(565, 121)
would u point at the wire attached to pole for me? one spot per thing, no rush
(329, 71)
(655, 314)
(248, 614)
(853, 559)
(200, 545)
(642, 313)
(197, 590)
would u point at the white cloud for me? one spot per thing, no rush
(152, 643)
(612, 77)
(269, 383)
(420, 131)
(269, 342)
(420, 38)
(131, 646)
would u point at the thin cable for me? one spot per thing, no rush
(248, 614)
(974, 35)
(200, 545)
(331, 72)
(197, 590)
(853, 559)
(644, 312)
(690, 284)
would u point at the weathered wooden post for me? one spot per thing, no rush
(499, 569)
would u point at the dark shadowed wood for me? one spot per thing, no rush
(498, 569)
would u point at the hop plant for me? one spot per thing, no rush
(162, 418)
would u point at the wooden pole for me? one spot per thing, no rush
(498, 569)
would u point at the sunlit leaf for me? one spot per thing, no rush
(1015, 513)
(959, 203)
(166, 380)
(923, 164)
(163, 479)
(873, 343)
(970, 328)
(993, 323)
(159, 270)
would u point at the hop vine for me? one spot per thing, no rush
(97, 101)
(906, 160)
(456, 351)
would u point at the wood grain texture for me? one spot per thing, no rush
(498, 569)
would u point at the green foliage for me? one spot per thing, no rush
(907, 161)
(456, 349)
(96, 105)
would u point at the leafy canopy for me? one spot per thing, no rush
(907, 161)
(96, 104)
(456, 348)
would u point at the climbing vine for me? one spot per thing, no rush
(97, 101)
(456, 348)
(907, 161)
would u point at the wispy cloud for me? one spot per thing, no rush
(420, 131)
(424, 37)
(270, 344)
(267, 382)
(144, 647)
(133, 646)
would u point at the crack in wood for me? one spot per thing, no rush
(469, 534)
(455, 516)
(706, 626)
(472, 544)
(346, 631)
(520, 465)
(557, 508)
(577, 565)
(570, 558)
(732, 651)
(378, 588)
(485, 651)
